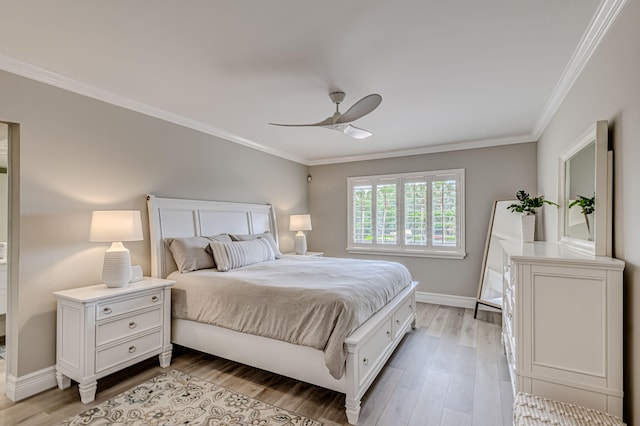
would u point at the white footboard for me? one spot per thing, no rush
(371, 345)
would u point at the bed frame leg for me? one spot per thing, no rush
(353, 410)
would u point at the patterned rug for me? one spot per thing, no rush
(175, 398)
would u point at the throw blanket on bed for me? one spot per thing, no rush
(310, 301)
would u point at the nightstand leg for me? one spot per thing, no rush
(165, 356)
(87, 391)
(63, 381)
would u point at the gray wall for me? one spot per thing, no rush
(609, 89)
(490, 174)
(79, 155)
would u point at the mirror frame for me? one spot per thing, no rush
(483, 270)
(601, 244)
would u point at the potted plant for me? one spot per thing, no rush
(587, 207)
(528, 206)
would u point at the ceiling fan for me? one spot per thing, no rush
(341, 122)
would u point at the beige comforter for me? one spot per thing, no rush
(310, 301)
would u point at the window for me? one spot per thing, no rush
(409, 214)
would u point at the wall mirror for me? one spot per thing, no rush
(584, 220)
(503, 225)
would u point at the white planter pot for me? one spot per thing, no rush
(528, 227)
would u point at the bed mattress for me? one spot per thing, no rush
(310, 301)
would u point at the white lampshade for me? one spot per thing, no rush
(300, 222)
(116, 226)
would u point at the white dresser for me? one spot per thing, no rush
(101, 330)
(562, 324)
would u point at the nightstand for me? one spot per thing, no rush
(101, 330)
(309, 253)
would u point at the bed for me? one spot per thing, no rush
(365, 350)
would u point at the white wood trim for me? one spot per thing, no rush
(599, 27)
(19, 388)
(432, 149)
(605, 17)
(57, 80)
(451, 300)
(400, 248)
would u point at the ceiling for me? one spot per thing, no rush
(452, 74)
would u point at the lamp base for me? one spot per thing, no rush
(300, 243)
(116, 270)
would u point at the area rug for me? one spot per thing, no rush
(175, 398)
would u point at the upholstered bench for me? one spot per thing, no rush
(531, 410)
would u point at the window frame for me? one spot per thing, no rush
(401, 248)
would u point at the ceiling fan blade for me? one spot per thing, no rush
(356, 132)
(326, 122)
(361, 108)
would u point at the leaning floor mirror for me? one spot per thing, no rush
(503, 225)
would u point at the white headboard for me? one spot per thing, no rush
(175, 218)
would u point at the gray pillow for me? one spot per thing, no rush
(235, 254)
(266, 235)
(190, 254)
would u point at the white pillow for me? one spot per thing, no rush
(266, 235)
(235, 254)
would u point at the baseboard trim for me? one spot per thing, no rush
(451, 300)
(19, 388)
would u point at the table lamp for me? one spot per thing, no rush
(116, 226)
(300, 223)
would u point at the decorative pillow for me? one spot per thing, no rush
(225, 238)
(235, 254)
(190, 253)
(266, 235)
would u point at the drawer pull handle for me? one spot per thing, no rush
(411, 307)
(132, 349)
(365, 361)
(397, 322)
(107, 311)
(388, 333)
(132, 325)
(155, 298)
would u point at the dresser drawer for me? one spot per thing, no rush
(110, 309)
(370, 352)
(109, 331)
(122, 352)
(401, 316)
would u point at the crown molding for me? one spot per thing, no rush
(431, 149)
(50, 78)
(598, 28)
(604, 18)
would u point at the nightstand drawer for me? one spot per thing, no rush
(114, 308)
(118, 354)
(109, 331)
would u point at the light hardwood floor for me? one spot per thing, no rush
(451, 370)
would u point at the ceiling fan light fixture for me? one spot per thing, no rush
(356, 132)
